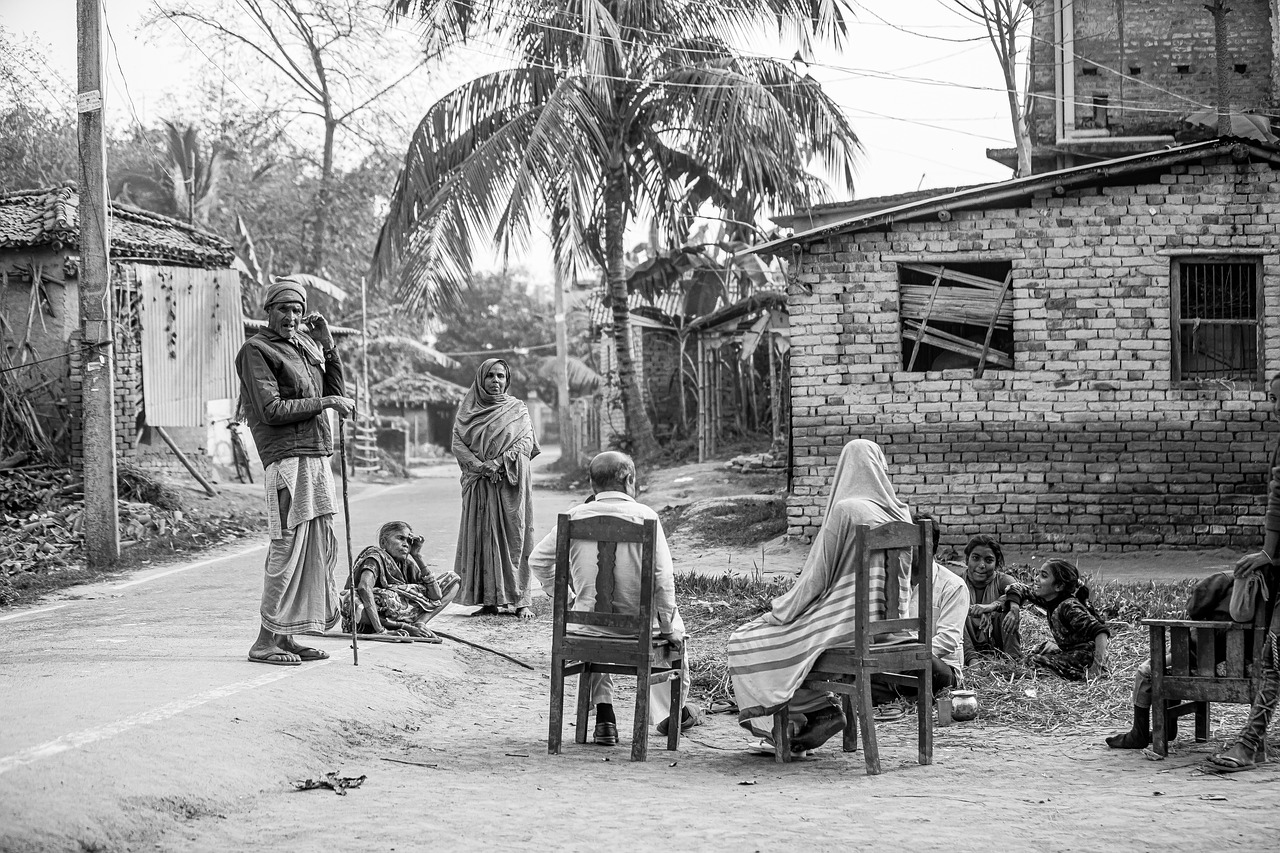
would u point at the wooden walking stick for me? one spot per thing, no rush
(346, 515)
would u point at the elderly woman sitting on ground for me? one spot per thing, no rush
(397, 592)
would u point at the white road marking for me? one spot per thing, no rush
(32, 612)
(189, 566)
(87, 736)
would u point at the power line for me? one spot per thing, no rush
(115, 52)
(855, 73)
(55, 357)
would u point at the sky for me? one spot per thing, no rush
(920, 84)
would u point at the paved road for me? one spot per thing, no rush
(123, 668)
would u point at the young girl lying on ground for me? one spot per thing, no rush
(1078, 649)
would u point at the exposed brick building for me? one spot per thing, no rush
(1117, 77)
(177, 304)
(1118, 407)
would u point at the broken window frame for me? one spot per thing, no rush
(962, 307)
(1177, 321)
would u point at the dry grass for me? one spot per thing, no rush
(1011, 693)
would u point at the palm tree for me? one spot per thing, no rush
(616, 111)
(188, 185)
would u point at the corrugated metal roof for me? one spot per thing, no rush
(191, 332)
(51, 217)
(985, 195)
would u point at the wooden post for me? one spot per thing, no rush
(1222, 60)
(186, 463)
(915, 350)
(991, 327)
(775, 396)
(703, 414)
(101, 512)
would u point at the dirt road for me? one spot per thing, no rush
(130, 721)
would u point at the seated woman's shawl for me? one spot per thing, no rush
(398, 591)
(770, 656)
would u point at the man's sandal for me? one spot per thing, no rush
(1220, 762)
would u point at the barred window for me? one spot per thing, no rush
(1217, 319)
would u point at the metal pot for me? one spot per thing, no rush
(964, 705)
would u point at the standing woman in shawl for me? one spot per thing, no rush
(770, 656)
(288, 378)
(493, 442)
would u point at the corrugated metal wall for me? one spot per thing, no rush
(191, 332)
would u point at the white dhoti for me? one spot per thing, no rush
(298, 592)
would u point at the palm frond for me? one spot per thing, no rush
(453, 129)
(583, 379)
(323, 285)
(755, 126)
(404, 344)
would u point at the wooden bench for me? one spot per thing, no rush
(1190, 686)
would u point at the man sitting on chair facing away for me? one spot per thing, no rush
(613, 482)
(950, 609)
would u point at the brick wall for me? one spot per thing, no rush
(1146, 41)
(662, 378)
(1087, 444)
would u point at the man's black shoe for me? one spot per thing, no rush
(606, 734)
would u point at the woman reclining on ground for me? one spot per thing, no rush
(397, 592)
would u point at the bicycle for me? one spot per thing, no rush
(239, 455)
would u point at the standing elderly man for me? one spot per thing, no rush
(613, 485)
(289, 376)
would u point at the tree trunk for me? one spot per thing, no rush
(639, 427)
(321, 230)
(568, 437)
(1008, 64)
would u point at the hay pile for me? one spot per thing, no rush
(42, 525)
(1011, 693)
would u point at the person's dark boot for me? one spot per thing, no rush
(606, 730)
(821, 726)
(1138, 737)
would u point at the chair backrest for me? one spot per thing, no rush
(894, 537)
(608, 532)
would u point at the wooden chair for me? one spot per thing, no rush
(1189, 686)
(637, 653)
(847, 670)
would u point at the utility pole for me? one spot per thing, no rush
(568, 444)
(1222, 59)
(101, 513)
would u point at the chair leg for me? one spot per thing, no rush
(1159, 734)
(782, 735)
(924, 713)
(584, 704)
(640, 726)
(850, 723)
(555, 727)
(676, 683)
(866, 719)
(1202, 722)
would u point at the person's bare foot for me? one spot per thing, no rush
(486, 610)
(524, 613)
(288, 644)
(268, 648)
